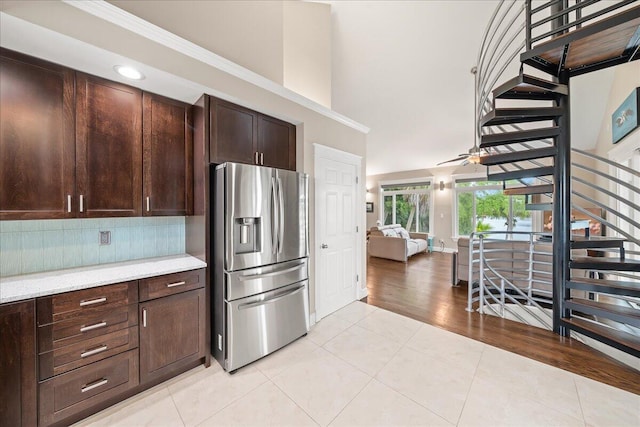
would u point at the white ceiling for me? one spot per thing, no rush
(403, 69)
(400, 68)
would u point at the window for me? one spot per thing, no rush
(407, 204)
(481, 206)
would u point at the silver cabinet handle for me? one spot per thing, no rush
(255, 158)
(262, 158)
(94, 384)
(93, 351)
(171, 285)
(324, 246)
(144, 317)
(148, 203)
(69, 203)
(92, 301)
(81, 203)
(94, 326)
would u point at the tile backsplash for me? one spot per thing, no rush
(42, 245)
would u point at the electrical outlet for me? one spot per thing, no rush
(441, 242)
(105, 238)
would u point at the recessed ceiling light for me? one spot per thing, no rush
(128, 72)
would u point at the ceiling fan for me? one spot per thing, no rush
(473, 156)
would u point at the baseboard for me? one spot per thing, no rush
(312, 319)
(445, 250)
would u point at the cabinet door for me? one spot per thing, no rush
(17, 364)
(276, 143)
(109, 148)
(233, 133)
(167, 157)
(37, 147)
(172, 333)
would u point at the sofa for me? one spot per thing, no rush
(395, 243)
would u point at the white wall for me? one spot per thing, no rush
(248, 33)
(307, 50)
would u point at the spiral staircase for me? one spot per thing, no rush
(523, 128)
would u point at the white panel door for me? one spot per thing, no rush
(336, 191)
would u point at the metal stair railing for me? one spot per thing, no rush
(501, 289)
(501, 45)
(499, 53)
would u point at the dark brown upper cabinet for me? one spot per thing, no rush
(108, 148)
(167, 157)
(276, 143)
(237, 134)
(37, 146)
(233, 130)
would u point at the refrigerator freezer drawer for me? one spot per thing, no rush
(261, 324)
(241, 284)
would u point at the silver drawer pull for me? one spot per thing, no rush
(94, 384)
(171, 285)
(93, 351)
(92, 301)
(92, 327)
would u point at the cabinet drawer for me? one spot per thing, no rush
(156, 287)
(70, 393)
(88, 351)
(75, 304)
(89, 325)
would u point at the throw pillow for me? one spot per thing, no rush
(403, 233)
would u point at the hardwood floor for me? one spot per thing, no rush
(421, 289)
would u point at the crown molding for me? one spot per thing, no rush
(110, 13)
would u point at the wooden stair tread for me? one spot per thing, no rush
(603, 43)
(591, 242)
(518, 156)
(605, 264)
(613, 337)
(505, 138)
(521, 173)
(538, 206)
(616, 287)
(525, 86)
(504, 116)
(530, 189)
(591, 307)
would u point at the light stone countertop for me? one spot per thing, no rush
(16, 288)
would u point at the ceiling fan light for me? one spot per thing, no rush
(474, 158)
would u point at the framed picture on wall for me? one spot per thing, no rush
(369, 207)
(625, 119)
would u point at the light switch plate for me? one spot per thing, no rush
(105, 238)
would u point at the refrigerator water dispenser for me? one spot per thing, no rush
(246, 235)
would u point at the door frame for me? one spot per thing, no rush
(322, 151)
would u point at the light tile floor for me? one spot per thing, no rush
(364, 366)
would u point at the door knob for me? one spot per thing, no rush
(324, 246)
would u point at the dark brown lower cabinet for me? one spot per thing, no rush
(172, 333)
(18, 384)
(66, 395)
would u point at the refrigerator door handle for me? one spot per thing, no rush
(270, 274)
(280, 216)
(271, 300)
(274, 216)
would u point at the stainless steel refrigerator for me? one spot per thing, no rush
(260, 235)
